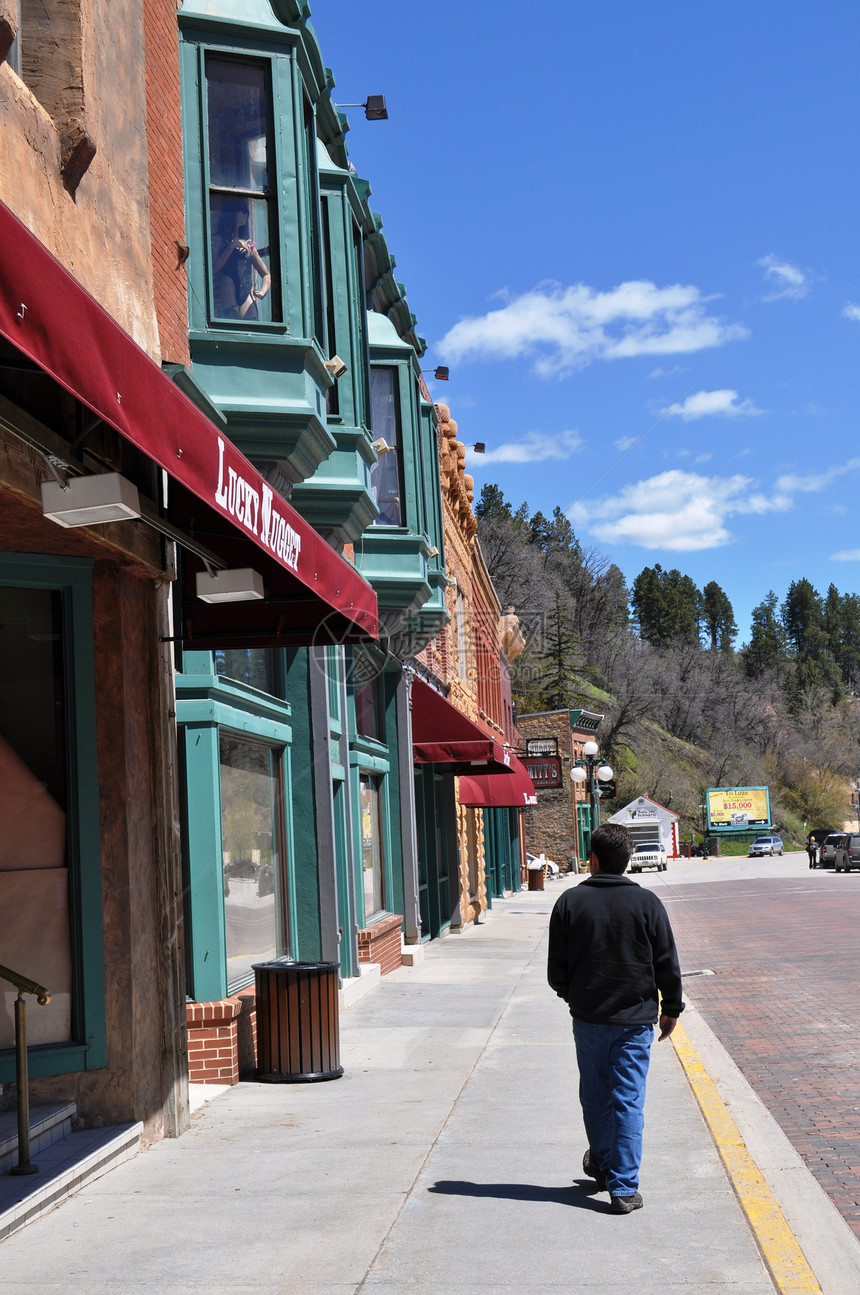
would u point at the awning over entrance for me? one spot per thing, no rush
(480, 792)
(218, 497)
(441, 735)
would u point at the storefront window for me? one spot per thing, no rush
(385, 474)
(252, 856)
(243, 225)
(373, 863)
(257, 667)
(34, 802)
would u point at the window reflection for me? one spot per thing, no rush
(371, 845)
(385, 475)
(251, 856)
(241, 211)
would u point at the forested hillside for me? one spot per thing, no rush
(686, 706)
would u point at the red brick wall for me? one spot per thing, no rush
(166, 200)
(222, 1039)
(381, 943)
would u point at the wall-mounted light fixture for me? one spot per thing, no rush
(90, 501)
(433, 552)
(336, 367)
(441, 372)
(381, 446)
(374, 107)
(234, 585)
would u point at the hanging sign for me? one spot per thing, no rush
(544, 771)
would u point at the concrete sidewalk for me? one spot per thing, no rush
(445, 1161)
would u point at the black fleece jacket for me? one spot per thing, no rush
(611, 949)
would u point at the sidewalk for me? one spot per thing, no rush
(445, 1161)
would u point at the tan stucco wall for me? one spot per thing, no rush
(102, 233)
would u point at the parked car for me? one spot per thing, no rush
(648, 854)
(549, 866)
(847, 852)
(766, 845)
(827, 849)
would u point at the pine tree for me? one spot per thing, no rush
(492, 504)
(718, 618)
(767, 646)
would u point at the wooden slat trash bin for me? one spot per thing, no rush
(298, 1022)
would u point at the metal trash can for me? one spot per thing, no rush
(298, 1023)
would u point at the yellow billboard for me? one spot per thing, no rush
(738, 809)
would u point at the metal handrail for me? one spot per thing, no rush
(24, 985)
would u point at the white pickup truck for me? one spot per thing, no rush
(648, 854)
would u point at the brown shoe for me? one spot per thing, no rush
(625, 1204)
(592, 1171)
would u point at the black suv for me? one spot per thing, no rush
(847, 854)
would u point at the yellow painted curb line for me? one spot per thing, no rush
(778, 1244)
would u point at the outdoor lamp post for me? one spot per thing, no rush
(704, 810)
(584, 770)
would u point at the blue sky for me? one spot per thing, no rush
(599, 209)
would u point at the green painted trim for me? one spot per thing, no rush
(211, 711)
(207, 940)
(366, 763)
(72, 577)
(53, 1059)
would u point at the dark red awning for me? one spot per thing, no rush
(480, 792)
(219, 496)
(442, 735)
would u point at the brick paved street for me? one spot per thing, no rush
(785, 1003)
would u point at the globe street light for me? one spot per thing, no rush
(583, 771)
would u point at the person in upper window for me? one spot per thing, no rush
(236, 264)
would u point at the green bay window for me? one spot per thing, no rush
(243, 223)
(385, 475)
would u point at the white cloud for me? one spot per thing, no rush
(535, 447)
(788, 281)
(625, 443)
(704, 404)
(812, 482)
(667, 373)
(675, 510)
(569, 327)
(684, 511)
(851, 311)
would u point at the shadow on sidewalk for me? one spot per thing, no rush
(580, 1195)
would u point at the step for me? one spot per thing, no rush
(47, 1124)
(65, 1167)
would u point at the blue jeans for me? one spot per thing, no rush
(613, 1066)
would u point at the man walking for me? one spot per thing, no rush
(611, 950)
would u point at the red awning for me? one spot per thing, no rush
(481, 792)
(219, 497)
(442, 735)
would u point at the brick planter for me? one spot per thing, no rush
(222, 1039)
(381, 943)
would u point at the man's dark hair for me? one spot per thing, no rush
(613, 846)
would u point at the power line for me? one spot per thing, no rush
(627, 450)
